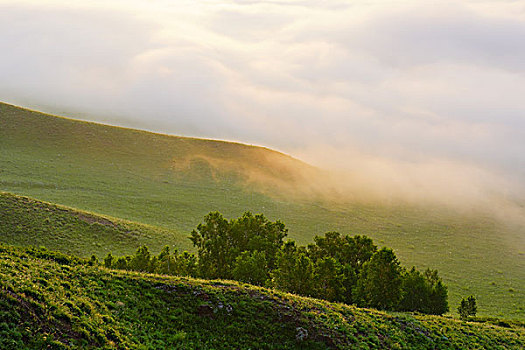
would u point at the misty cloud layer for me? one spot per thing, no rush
(388, 91)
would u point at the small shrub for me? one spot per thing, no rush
(467, 307)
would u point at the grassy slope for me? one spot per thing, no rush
(49, 298)
(172, 182)
(25, 221)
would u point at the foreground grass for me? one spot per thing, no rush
(49, 299)
(172, 182)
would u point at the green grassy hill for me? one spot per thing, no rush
(49, 300)
(25, 221)
(172, 182)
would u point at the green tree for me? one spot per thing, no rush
(93, 260)
(213, 246)
(361, 250)
(251, 267)
(108, 261)
(354, 250)
(467, 307)
(349, 252)
(379, 282)
(415, 291)
(438, 294)
(294, 270)
(186, 264)
(329, 280)
(331, 245)
(122, 263)
(141, 261)
(348, 280)
(165, 263)
(153, 264)
(257, 233)
(220, 242)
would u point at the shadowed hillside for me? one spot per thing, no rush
(172, 182)
(25, 221)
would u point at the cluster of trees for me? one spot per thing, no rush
(166, 263)
(339, 268)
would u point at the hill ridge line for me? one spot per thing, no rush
(238, 143)
(112, 219)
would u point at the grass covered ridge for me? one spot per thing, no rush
(47, 298)
(25, 221)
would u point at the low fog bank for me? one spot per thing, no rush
(345, 176)
(466, 188)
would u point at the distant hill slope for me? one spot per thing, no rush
(51, 300)
(25, 221)
(152, 178)
(172, 182)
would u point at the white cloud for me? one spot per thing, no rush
(407, 81)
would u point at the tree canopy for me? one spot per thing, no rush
(219, 242)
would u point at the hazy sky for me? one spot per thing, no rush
(388, 85)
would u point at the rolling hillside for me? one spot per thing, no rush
(25, 221)
(170, 183)
(50, 300)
